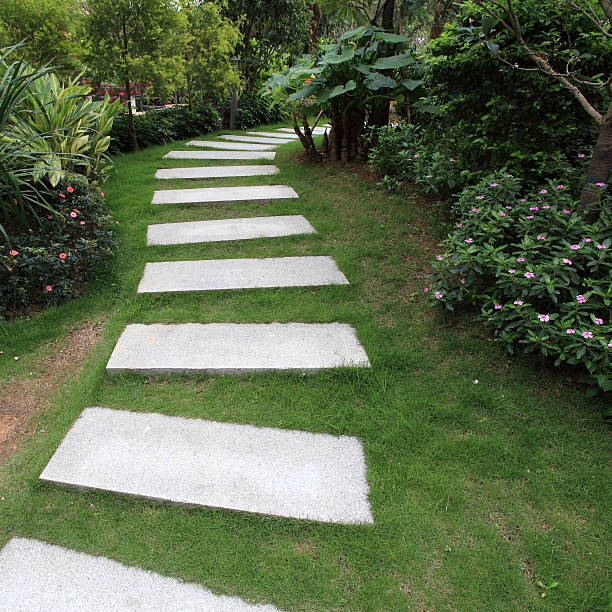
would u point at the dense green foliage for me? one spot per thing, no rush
(51, 266)
(539, 273)
(255, 109)
(164, 125)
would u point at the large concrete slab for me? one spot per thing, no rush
(235, 348)
(233, 146)
(220, 274)
(280, 472)
(224, 195)
(40, 577)
(275, 135)
(316, 132)
(216, 172)
(258, 139)
(220, 230)
(235, 155)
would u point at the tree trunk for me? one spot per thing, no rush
(189, 98)
(131, 125)
(314, 27)
(437, 24)
(335, 135)
(387, 15)
(599, 168)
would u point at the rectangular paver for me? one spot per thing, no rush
(40, 577)
(235, 348)
(232, 146)
(220, 274)
(220, 230)
(235, 155)
(224, 195)
(293, 136)
(216, 172)
(257, 139)
(316, 132)
(288, 473)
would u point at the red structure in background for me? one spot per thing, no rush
(117, 92)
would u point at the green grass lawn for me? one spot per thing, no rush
(478, 491)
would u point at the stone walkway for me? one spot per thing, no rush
(286, 473)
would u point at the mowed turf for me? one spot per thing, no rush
(478, 489)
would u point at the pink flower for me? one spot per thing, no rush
(69, 189)
(480, 197)
(416, 155)
(586, 240)
(62, 255)
(50, 217)
(102, 193)
(498, 306)
(426, 289)
(509, 175)
(560, 187)
(13, 253)
(518, 302)
(587, 334)
(575, 247)
(533, 208)
(508, 207)
(602, 246)
(61, 195)
(502, 213)
(566, 212)
(453, 160)
(543, 190)
(73, 214)
(567, 261)
(523, 200)
(468, 240)
(546, 207)
(428, 176)
(438, 295)
(439, 257)
(600, 184)
(569, 330)
(493, 184)
(598, 321)
(544, 318)
(511, 271)
(581, 299)
(541, 237)
(459, 225)
(82, 222)
(474, 210)
(520, 259)
(463, 281)
(48, 288)
(529, 274)
(529, 217)
(581, 155)
(609, 344)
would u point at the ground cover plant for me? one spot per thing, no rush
(488, 474)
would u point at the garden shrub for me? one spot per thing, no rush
(540, 274)
(51, 265)
(164, 125)
(254, 109)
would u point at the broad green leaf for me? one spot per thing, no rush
(394, 61)
(355, 34)
(376, 81)
(493, 47)
(411, 84)
(392, 38)
(308, 90)
(333, 58)
(332, 92)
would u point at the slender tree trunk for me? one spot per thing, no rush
(335, 135)
(599, 168)
(128, 92)
(387, 15)
(189, 96)
(314, 27)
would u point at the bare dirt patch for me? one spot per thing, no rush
(20, 399)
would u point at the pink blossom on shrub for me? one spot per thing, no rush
(575, 247)
(581, 299)
(544, 318)
(468, 240)
(511, 271)
(529, 274)
(569, 330)
(13, 253)
(520, 259)
(587, 334)
(498, 306)
(567, 261)
(519, 302)
(541, 237)
(598, 321)
(602, 246)
(73, 214)
(438, 295)
(543, 190)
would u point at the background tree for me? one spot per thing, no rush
(49, 29)
(136, 40)
(270, 29)
(211, 40)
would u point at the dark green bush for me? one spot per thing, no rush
(51, 265)
(164, 125)
(254, 110)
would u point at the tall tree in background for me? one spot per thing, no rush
(210, 42)
(269, 29)
(49, 29)
(136, 40)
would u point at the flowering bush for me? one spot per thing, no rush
(51, 265)
(539, 273)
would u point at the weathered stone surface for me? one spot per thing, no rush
(216, 172)
(232, 146)
(228, 229)
(235, 155)
(275, 135)
(279, 472)
(224, 195)
(236, 348)
(316, 132)
(220, 274)
(257, 139)
(40, 577)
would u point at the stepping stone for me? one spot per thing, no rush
(293, 136)
(274, 141)
(228, 229)
(288, 473)
(37, 577)
(235, 348)
(317, 131)
(232, 146)
(220, 274)
(224, 195)
(215, 172)
(220, 155)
